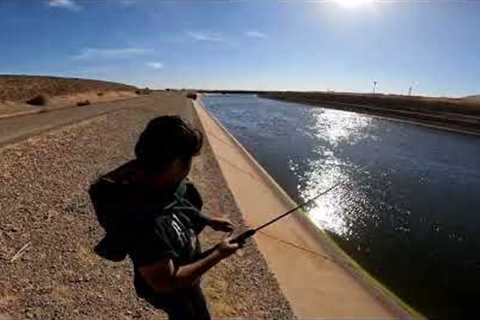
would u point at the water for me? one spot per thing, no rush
(409, 211)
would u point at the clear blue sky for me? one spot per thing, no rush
(261, 44)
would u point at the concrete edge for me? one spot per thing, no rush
(371, 284)
(235, 203)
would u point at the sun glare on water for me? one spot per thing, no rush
(351, 4)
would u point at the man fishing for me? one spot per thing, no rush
(151, 214)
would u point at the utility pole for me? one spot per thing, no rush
(374, 86)
(410, 90)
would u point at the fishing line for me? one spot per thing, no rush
(241, 238)
(295, 246)
(251, 232)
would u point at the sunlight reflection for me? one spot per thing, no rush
(331, 128)
(336, 126)
(351, 4)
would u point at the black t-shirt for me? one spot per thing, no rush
(149, 228)
(171, 235)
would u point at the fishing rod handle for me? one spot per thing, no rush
(242, 237)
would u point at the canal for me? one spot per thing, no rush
(409, 212)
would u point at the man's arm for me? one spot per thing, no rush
(164, 276)
(194, 197)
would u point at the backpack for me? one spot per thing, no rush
(106, 197)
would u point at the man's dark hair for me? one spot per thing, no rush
(166, 139)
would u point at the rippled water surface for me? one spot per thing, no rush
(409, 211)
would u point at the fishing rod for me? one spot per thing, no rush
(241, 238)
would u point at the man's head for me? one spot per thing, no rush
(165, 150)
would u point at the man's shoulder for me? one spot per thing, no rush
(105, 189)
(114, 183)
(192, 195)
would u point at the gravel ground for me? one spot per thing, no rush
(45, 210)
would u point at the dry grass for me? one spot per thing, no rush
(144, 91)
(192, 95)
(38, 100)
(83, 103)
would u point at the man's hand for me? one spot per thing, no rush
(165, 276)
(226, 248)
(219, 224)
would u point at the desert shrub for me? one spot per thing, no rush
(192, 95)
(39, 100)
(100, 94)
(143, 91)
(83, 103)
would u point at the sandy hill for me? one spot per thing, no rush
(20, 87)
(25, 93)
(472, 99)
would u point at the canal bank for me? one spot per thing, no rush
(49, 228)
(317, 278)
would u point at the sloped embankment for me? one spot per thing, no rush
(32, 94)
(21, 88)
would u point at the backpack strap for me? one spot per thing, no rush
(179, 197)
(182, 204)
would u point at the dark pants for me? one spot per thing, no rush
(184, 304)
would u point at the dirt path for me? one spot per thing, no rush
(12, 129)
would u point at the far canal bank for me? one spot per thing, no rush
(447, 114)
